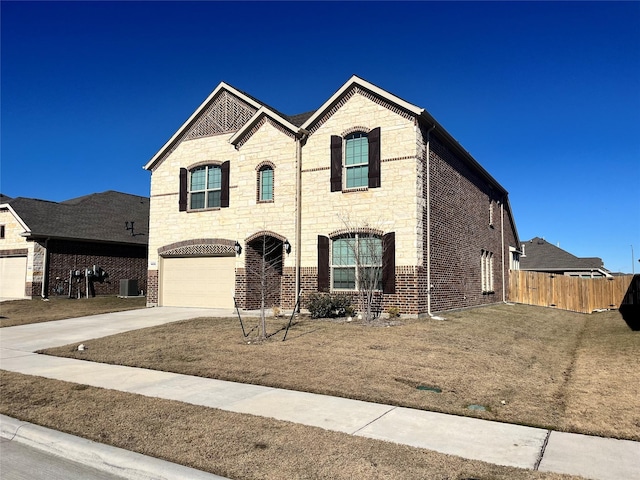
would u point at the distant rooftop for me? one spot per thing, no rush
(96, 217)
(542, 255)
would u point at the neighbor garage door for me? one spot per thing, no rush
(13, 273)
(198, 282)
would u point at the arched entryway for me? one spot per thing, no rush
(264, 267)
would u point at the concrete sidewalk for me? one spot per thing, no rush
(494, 442)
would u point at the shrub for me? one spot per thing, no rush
(394, 312)
(326, 305)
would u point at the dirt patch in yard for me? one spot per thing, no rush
(529, 365)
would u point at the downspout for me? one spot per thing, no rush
(301, 137)
(428, 227)
(504, 293)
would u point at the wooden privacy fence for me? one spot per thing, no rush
(583, 295)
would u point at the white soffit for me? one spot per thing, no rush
(8, 206)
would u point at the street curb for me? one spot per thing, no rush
(116, 461)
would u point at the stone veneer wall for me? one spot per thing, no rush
(13, 244)
(459, 206)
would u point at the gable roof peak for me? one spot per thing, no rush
(356, 81)
(247, 104)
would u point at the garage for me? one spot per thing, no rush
(13, 274)
(197, 282)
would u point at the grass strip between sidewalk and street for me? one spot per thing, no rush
(242, 447)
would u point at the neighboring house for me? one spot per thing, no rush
(42, 241)
(365, 167)
(538, 255)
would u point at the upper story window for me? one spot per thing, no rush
(514, 258)
(205, 188)
(490, 213)
(265, 184)
(356, 160)
(1, 231)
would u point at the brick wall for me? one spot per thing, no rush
(460, 230)
(152, 288)
(119, 261)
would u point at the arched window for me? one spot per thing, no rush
(355, 160)
(265, 184)
(205, 187)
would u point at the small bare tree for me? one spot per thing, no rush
(366, 257)
(265, 274)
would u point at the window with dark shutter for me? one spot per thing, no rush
(224, 195)
(323, 263)
(389, 263)
(182, 200)
(374, 158)
(336, 163)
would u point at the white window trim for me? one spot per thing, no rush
(486, 272)
(345, 167)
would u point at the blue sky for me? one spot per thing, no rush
(545, 95)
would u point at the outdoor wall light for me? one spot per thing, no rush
(238, 248)
(287, 246)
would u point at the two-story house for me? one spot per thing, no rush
(366, 168)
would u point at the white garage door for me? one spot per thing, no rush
(13, 273)
(198, 282)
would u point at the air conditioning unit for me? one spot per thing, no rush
(129, 288)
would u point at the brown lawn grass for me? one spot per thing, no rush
(551, 368)
(243, 447)
(22, 312)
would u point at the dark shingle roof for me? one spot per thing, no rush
(542, 255)
(300, 118)
(95, 217)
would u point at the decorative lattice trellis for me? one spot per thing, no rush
(227, 113)
(199, 250)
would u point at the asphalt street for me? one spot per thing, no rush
(21, 462)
